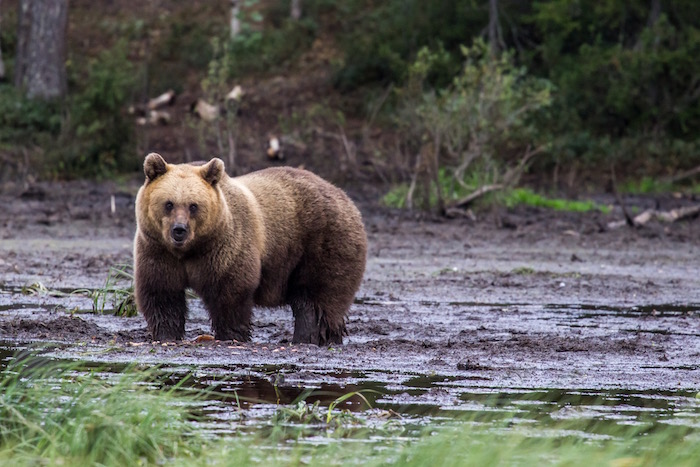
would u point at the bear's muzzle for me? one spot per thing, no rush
(178, 232)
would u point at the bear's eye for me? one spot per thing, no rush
(169, 206)
(193, 208)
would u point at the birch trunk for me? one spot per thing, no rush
(295, 10)
(235, 18)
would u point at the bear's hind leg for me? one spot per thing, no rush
(316, 324)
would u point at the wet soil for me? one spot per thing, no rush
(515, 300)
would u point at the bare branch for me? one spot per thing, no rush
(476, 194)
(683, 175)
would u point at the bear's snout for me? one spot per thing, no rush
(178, 232)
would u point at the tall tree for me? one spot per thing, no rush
(495, 37)
(295, 10)
(40, 61)
(2, 63)
(235, 18)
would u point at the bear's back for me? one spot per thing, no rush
(298, 198)
(307, 220)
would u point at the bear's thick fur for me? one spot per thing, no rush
(274, 237)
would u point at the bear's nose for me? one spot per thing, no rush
(178, 232)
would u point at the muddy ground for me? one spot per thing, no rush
(525, 298)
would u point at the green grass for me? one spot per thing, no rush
(653, 185)
(54, 413)
(396, 198)
(524, 196)
(117, 294)
(465, 446)
(646, 185)
(118, 290)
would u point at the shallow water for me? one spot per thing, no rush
(239, 399)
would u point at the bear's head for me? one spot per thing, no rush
(180, 204)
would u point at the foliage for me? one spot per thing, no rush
(467, 447)
(221, 129)
(629, 87)
(627, 81)
(185, 48)
(301, 412)
(626, 77)
(87, 134)
(381, 40)
(97, 137)
(27, 128)
(26, 121)
(450, 189)
(480, 126)
(269, 49)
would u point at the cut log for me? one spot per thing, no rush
(662, 216)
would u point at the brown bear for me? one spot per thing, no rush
(273, 237)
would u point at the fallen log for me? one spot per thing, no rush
(662, 216)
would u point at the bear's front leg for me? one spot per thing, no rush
(159, 289)
(165, 313)
(230, 311)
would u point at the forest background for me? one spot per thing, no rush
(435, 103)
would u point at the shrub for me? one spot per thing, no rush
(97, 137)
(479, 128)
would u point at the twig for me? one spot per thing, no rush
(618, 198)
(231, 152)
(514, 174)
(350, 152)
(683, 175)
(479, 192)
(414, 180)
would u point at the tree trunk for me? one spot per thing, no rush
(235, 19)
(2, 63)
(40, 61)
(654, 13)
(494, 28)
(295, 10)
(2, 67)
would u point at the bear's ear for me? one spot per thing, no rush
(212, 171)
(154, 166)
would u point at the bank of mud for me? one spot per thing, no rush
(517, 299)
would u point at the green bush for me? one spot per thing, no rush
(185, 48)
(626, 77)
(97, 138)
(25, 121)
(479, 128)
(86, 134)
(381, 40)
(269, 49)
(627, 82)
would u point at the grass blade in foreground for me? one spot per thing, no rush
(51, 411)
(64, 414)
